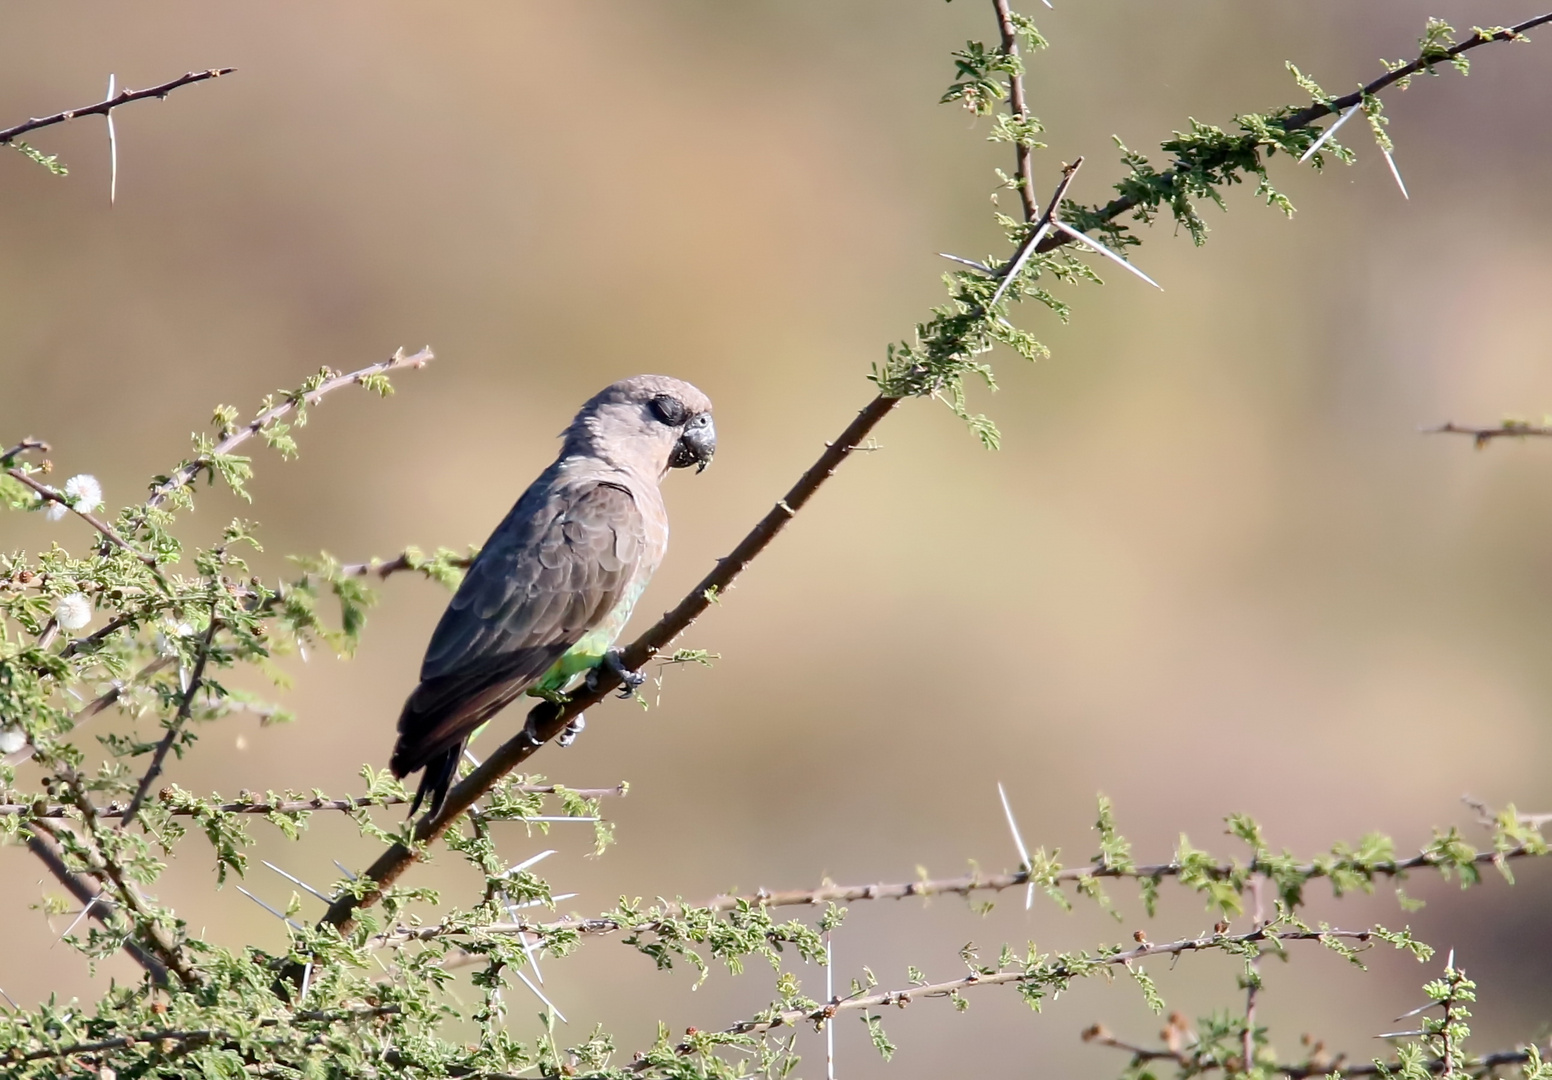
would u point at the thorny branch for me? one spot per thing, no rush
(1023, 173)
(1051, 971)
(185, 708)
(42, 843)
(49, 494)
(1481, 436)
(189, 470)
(959, 886)
(1195, 1062)
(1307, 116)
(103, 108)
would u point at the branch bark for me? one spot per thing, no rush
(103, 108)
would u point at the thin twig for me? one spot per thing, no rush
(21, 448)
(185, 707)
(1481, 436)
(52, 495)
(190, 470)
(1023, 170)
(113, 101)
(1055, 971)
(89, 710)
(1199, 1063)
(42, 843)
(960, 886)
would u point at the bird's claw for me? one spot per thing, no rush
(573, 729)
(630, 681)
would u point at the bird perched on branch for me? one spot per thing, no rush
(555, 583)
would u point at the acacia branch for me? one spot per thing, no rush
(1305, 117)
(191, 469)
(1023, 171)
(1194, 1062)
(958, 886)
(42, 843)
(1052, 972)
(1481, 436)
(103, 108)
(50, 494)
(185, 707)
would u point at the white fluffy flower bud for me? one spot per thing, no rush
(73, 611)
(86, 492)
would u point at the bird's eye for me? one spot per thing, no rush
(669, 410)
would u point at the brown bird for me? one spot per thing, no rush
(555, 583)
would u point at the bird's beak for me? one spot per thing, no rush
(696, 446)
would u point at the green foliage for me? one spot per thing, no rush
(50, 162)
(177, 625)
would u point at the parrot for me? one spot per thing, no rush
(555, 584)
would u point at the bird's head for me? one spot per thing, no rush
(650, 422)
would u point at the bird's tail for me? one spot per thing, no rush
(438, 777)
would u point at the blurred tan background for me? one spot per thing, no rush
(1215, 567)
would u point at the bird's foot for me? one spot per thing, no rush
(573, 729)
(630, 681)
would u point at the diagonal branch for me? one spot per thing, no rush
(185, 707)
(191, 469)
(45, 846)
(548, 720)
(103, 108)
(51, 494)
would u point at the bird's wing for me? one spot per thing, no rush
(549, 574)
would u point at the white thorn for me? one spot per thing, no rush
(555, 817)
(113, 151)
(9, 998)
(84, 912)
(470, 758)
(1106, 252)
(829, 999)
(540, 995)
(1397, 174)
(541, 903)
(278, 914)
(1019, 260)
(1018, 842)
(344, 870)
(1330, 131)
(526, 863)
(982, 267)
(296, 880)
(1449, 965)
(533, 957)
(307, 977)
